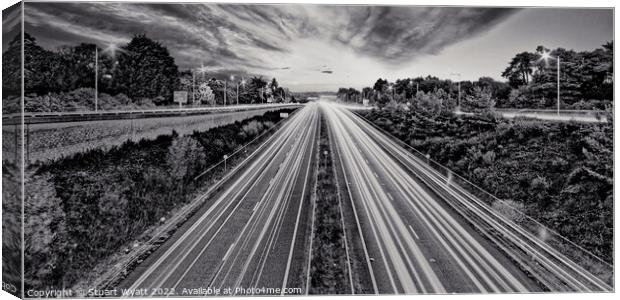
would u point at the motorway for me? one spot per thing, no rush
(423, 234)
(254, 233)
(410, 228)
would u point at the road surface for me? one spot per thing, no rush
(254, 234)
(409, 228)
(422, 234)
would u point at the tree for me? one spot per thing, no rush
(380, 85)
(256, 89)
(273, 86)
(519, 69)
(146, 70)
(481, 100)
(40, 68)
(348, 94)
(76, 67)
(186, 158)
(11, 68)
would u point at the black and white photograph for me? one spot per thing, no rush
(210, 149)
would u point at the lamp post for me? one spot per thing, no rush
(201, 70)
(458, 101)
(111, 48)
(225, 89)
(243, 84)
(546, 56)
(391, 89)
(232, 78)
(96, 77)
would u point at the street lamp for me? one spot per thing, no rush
(112, 49)
(96, 76)
(201, 70)
(243, 84)
(458, 101)
(546, 55)
(391, 89)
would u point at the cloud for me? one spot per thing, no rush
(255, 39)
(397, 34)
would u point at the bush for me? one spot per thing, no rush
(82, 99)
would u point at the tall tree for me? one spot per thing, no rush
(273, 86)
(519, 69)
(380, 85)
(255, 89)
(146, 70)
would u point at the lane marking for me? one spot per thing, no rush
(228, 252)
(414, 233)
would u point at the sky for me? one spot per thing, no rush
(322, 47)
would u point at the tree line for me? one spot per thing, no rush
(586, 82)
(142, 70)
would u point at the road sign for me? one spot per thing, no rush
(283, 115)
(180, 97)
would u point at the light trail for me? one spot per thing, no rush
(414, 215)
(245, 233)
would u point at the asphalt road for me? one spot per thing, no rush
(420, 233)
(254, 235)
(409, 228)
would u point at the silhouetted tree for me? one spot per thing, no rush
(146, 70)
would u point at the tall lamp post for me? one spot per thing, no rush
(201, 70)
(546, 56)
(111, 48)
(225, 90)
(458, 101)
(391, 89)
(232, 78)
(96, 77)
(243, 84)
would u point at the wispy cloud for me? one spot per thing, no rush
(265, 39)
(230, 33)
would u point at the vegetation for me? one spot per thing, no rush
(328, 270)
(11, 226)
(586, 82)
(82, 209)
(140, 73)
(560, 173)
